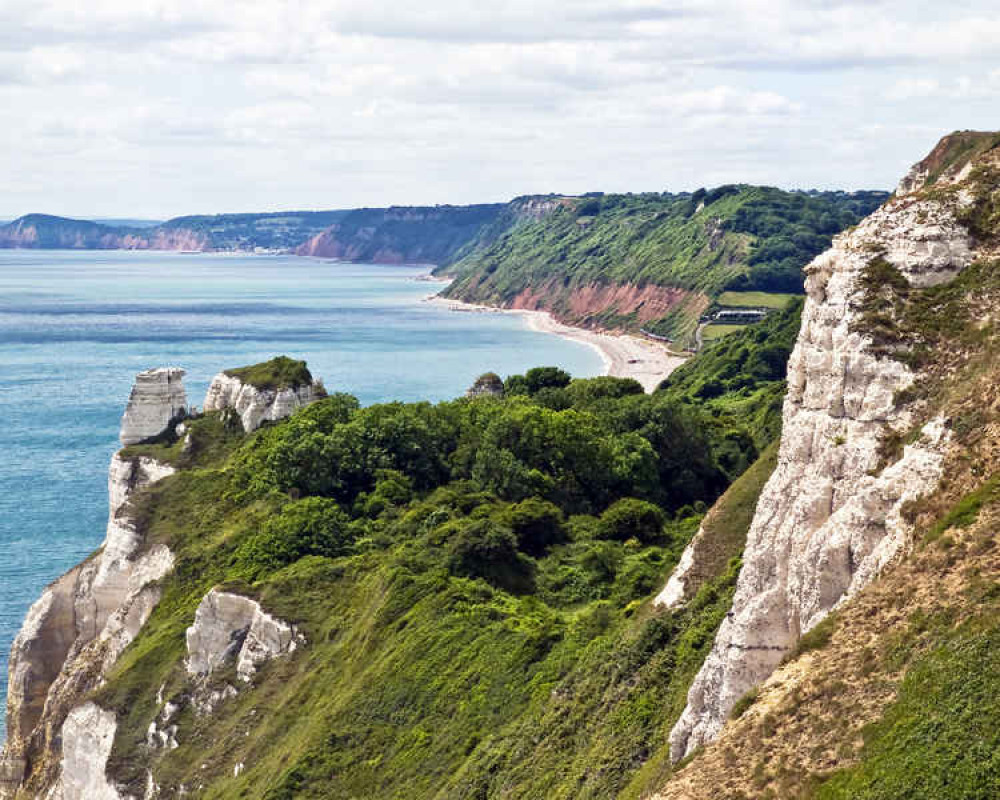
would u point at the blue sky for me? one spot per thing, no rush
(132, 108)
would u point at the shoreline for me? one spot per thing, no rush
(623, 355)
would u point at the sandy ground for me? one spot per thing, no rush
(624, 356)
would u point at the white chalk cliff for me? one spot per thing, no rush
(157, 398)
(254, 405)
(829, 520)
(84, 620)
(231, 627)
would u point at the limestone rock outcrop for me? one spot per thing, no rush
(231, 627)
(829, 519)
(87, 736)
(82, 622)
(486, 385)
(157, 398)
(254, 405)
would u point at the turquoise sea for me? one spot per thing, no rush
(75, 327)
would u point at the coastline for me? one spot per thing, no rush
(623, 355)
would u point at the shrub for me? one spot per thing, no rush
(315, 526)
(484, 549)
(630, 518)
(536, 524)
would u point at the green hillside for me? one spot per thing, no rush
(656, 261)
(473, 582)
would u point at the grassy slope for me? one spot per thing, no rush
(417, 682)
(742, 376)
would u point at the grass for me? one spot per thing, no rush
(940, 737)
(741, 706)
(280, 372)
(212, 435)
(816, 638)
(966, 511)
(755, 299)
(711, 332)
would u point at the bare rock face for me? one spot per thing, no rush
(486, 385)
(157, 398)
(673, 594)
(231, 627)
(254, 405)
(828, 520)
(87, 736)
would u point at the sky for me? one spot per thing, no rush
(142, 108)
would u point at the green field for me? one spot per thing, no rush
(711, 332)
(756, 299)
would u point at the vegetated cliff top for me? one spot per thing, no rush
(656, 261)
(281, 372)
(950, 156)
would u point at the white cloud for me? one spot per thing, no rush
(163, 107)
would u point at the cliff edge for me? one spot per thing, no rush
(832, 516)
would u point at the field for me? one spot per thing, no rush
(755, 299)
(711, 332)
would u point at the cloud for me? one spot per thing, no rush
(163, 107)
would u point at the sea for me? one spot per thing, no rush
(75, 327)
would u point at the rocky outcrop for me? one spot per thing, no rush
(87, 736)
(229, 627)
(84, 620)
(486, 385)
(829, 519)
(254, 405)
(157, 398)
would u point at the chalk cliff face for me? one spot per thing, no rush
(828, 520)
(157, 398)
(254, 405)
(58, 742)
(231, 627)
(84, 620)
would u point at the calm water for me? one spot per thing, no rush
(76, 327)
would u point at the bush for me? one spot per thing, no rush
(631, 518)
(535, 523)
(315, 526)
(484, 549)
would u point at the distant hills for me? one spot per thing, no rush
(656, 261)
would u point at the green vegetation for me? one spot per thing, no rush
(755, 299)
(741, 706)
(740, 238)
(280, 372)
(940, 738)
(917, 326)
(960, 147)
(740, 380)
(816, 638)
(966, 511)
(209, 439)
(472, 578)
